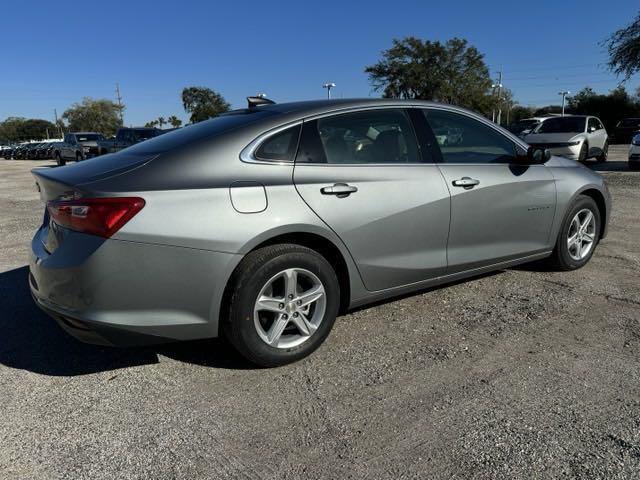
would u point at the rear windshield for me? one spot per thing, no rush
(563, 125)
(197, 132)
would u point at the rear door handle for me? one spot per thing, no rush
(466, 182)
(339, 189)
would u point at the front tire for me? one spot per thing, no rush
(284, 302)
(578, 236)
(584, 153)
(604, 154)
(59, 160)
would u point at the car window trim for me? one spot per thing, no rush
(247, 155)
(479, 120)
(403, 109)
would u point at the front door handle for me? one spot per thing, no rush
(466, 182)
(339, 189)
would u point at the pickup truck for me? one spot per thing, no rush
(125, 137)
(77, 146)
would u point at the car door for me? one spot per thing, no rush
(597, 136)
(70, 146)
(500, 209)
(363, 174)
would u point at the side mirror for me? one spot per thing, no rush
(537, 156)
(592, 129)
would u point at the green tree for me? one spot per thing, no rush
(546, 110)
(161, 121)
(93, 115)
(174, 121)
(203, 103)
(151, 124)
(16, 129)
(610, 108)
(624, 49)
(451, 72)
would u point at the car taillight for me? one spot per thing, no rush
(96, 216)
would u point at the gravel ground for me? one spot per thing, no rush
(518, 374)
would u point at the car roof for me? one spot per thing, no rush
(315, 107)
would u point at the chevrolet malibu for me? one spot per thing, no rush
(265, 223)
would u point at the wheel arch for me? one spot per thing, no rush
(326, 247)
(601, 203)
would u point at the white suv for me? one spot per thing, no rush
(577, 137)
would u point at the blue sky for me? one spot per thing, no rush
(55, 53)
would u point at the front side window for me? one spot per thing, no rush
(462, 139)
(280, 147)
(367, 137)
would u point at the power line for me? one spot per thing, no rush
(533, 68)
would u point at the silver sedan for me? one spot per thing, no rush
(265, 223)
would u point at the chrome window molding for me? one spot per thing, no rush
(247, 154)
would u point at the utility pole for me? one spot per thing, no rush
(55, 115)
(564, 94)
(499, 87)
(119, 103)
(329, 86)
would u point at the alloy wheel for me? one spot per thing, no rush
(581, 235)
(289, 308)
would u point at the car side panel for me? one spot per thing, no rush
(396, 224)
(508, 215)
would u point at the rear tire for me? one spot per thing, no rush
(252, 330)
(564, 257)
(59, 160)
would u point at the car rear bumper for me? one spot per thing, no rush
(115, 292)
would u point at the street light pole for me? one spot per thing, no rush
(499, 87)
(328, 86)
(564, 94)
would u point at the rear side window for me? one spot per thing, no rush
(462, 139)
(367, 137)
(280, 147)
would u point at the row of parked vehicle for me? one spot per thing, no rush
(78, 146)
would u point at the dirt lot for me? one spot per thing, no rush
(519, 374)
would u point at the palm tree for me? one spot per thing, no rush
(161, 121)
(174, 121)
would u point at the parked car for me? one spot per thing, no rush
(32, 150)
(6, 151)
(51, 148)
(634, 153)
(626, 129)
(77, 146)
(211, 230)
(41, 151)
(578, 137)
(21, 150)
(125, 137)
